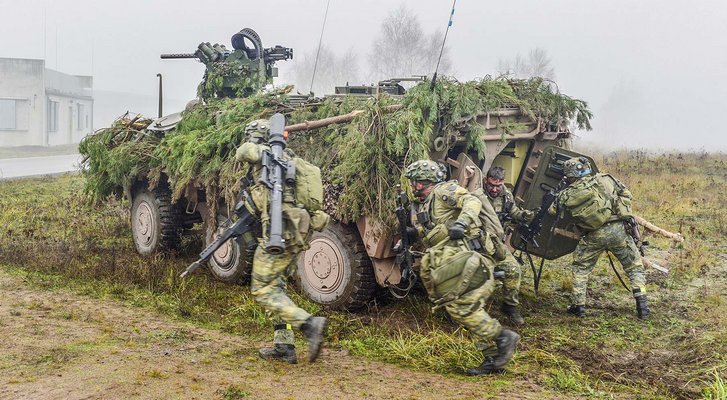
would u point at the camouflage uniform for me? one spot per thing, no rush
(270, 272)
(457, 276)
(448, 202)
(509, 265)
(596, 238)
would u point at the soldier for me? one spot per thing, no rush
(599, 204)
(503, 203)
(457, 276)
(270, 271)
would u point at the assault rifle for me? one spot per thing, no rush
(632, 228)
(529, 231)
(245, 223)
(276, 172)
(404, 258)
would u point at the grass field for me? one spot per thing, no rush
(54, 238)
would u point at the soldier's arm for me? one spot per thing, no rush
(518, 213)
(249, 153)
(470, 207)
(553, 209)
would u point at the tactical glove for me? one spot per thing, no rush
(412, 233)
(456, 231)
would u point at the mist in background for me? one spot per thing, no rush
(653, 72)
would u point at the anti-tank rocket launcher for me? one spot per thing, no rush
(239, 72)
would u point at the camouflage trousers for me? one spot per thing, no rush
(269, 275)
(610, 237)
(511, 281)
(469, 311)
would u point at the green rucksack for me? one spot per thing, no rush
(308, 185)
(589, 203)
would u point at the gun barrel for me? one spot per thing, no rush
(178, 55)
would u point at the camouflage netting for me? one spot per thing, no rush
(361, 161)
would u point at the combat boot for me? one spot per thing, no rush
(280, 352)
(642, 307)
(513, 313)
(577, 310)
(506, 343)
(314, 328)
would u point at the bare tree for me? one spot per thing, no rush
(537, 63)
(332, 70)
(403, 49)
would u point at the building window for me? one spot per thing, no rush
(80, 118)
(8, 119)
(52, 116)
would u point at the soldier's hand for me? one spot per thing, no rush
(412, 232)
(456, 231)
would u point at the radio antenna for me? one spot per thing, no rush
(449, 24)
(318, 53)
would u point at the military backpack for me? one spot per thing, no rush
(308, 185)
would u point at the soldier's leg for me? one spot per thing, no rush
(268, 287)
(497, 344)
(511, 287)
(469, 312)
(623, 247)
(511, 281)
(585, 257)
(283, 348)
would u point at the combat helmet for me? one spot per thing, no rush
(258, 130)
(577, 167)
(424, 171)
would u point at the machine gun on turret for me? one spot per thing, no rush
(239, 72)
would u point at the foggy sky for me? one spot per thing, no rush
(654, 72)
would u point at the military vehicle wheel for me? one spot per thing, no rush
(229, 263)
(336, 271)
(155, 221)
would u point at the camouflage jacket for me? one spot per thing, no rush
(446, 204)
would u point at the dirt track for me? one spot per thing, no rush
(58, 345)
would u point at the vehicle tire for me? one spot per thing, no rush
(231, 263)
(336, 271)
(155, 221)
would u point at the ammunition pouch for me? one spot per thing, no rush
(437, 235)
(459, 273)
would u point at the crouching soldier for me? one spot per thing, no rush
(503, 204)
(271, 271)
(599, 204)
(457, 274)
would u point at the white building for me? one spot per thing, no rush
(42, 107)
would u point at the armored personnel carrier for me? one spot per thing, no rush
(348, 261)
